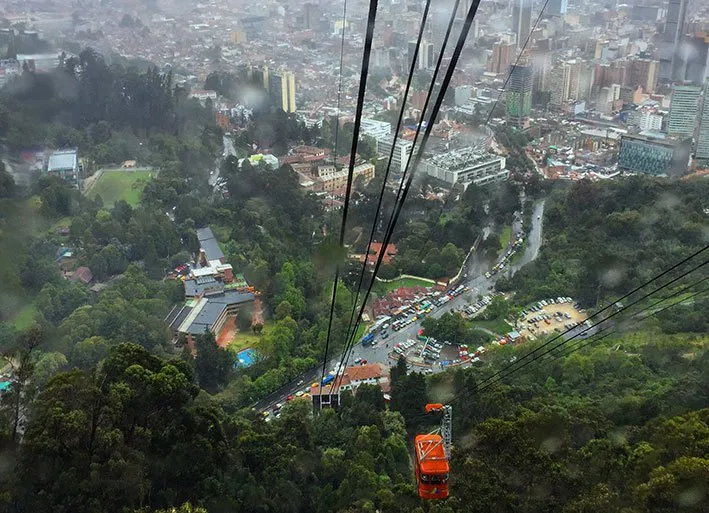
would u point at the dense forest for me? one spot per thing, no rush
(622, 426)
(602, 239)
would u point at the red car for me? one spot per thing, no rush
(290, 398)
(363, 362)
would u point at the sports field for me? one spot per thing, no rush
(120, 184)
(383, 288)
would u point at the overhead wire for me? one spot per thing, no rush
(371, 18)
(463, 36)
(429, 127)
(626, 296)
(595, 338)
(569, 350)
(388, 169)
(526, 360)
(458, 49)
(339, 92)
(398, 201)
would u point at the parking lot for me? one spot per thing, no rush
(553, 315)
(425, 353)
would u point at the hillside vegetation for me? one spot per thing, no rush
(603, 239)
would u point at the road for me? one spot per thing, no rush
(379, 352)
(228, 150)
(534, 242)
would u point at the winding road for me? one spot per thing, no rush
(228, 150)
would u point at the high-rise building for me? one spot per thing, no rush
(541, 68)
(518, 96)
(684, 110)
(643, 73)
(653, 155)
(425, 55)
(671, 62)
(503, 54)
(380, 57)
(462, 95)
(557, 7)
(281, 89)
(402, 152)
(522, 20)
(571, 80)
(410, 54)
(696, 57)
(702, 149)
(646, 119)
(311, 16)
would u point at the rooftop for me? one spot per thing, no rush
(62, 159)
(199, 286)
(209, 244)
(201, 317)
(461, 159)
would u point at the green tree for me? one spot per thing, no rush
(213, 364)
(22, 357)
(499, 308)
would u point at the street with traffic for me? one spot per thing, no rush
(474, 279)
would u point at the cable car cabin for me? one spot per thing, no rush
(431, 467)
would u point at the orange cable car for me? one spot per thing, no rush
(432, 456)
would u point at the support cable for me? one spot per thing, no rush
(372, 16)
(388, 168)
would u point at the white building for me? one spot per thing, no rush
(64, 163)
(646, 120)
(702, 148)
(375, 128)
(203, 94)
(402, 152)
(466, 166)
(684, 110)
(462, 95)
(39, 61)
(270, 160)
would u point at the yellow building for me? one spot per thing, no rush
(238, 37)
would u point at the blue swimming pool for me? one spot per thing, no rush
(245, 358)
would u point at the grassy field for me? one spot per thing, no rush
(499, 326)
(115, 185)
(25, 317)
(505, 237)
(382, 288)
(249, 338)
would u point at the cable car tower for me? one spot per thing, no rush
(433, 452)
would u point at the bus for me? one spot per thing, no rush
(368, 339)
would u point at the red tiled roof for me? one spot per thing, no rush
(84, 274)
(364, 372)
(375, 248)
(358, 373)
